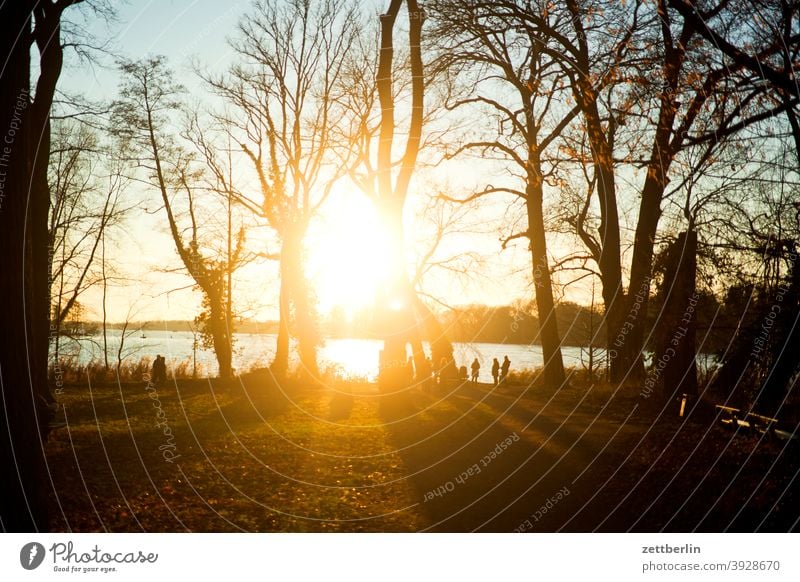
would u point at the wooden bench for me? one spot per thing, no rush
(750, 420)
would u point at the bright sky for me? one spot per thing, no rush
(343, 263)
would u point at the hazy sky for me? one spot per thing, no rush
(197, 30)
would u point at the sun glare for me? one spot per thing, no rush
(347, 252)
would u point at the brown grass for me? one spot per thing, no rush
(261, 455)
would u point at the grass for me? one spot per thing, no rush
(254, 455)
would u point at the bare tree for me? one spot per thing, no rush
(147, 98)
(633, 119)
(439, 227)
(513, 79)
(86, 182)
(379, 89)
(765, 42)
(756, 228)
(282, 100)
(702, 102)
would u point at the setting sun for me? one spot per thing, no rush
(347, 252)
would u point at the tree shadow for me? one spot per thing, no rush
(471, 466)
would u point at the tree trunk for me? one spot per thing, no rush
(280, 364)
(641, 266)
(395, 305)
(548, 324)
(40, 277)
(441, 346)
(22, 421)
(220, 336)
(400, 315)
(609, 263)
(304, 317)
(674, 365)
(296, 308)
(786, 344)
(105, 303)
(47, 34)
(661, 158)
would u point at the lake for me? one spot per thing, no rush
(351, 358)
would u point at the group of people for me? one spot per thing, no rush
(499, 371)
(449, 370)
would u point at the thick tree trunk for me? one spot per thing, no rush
(39, 251)
(661, 157)
(404, 320)
(430, 328)
(280, 363)
(674, 366)
(641, 267)
(23, 420)
(220, 336)
(394, 306)
(305, 320)
(401, 317)
(609, 263)
(297, 314)
(47, 34)
(786, 345)
(548, 325)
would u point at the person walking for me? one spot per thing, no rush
(476, 369)
(496, 371)
(504, 369)
(159, 370)
(410, 370)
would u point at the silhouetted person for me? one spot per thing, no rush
(462, 373)
(425, 374)
(504, 369)
(159, 369)
(476, 369)
(496, 371)
(442, 370)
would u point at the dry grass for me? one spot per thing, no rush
(96, 373)
(256, 455)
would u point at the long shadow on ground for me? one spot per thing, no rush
(481, 462)
(578, 469)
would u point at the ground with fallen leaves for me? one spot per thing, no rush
(255, 455)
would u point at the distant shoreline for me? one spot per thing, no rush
(93, 329)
